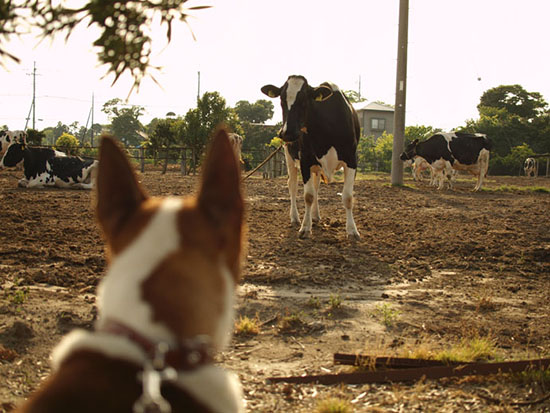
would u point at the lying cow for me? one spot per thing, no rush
(454, 150)
(320, 131)
(46, 167)
(531, 167)
(8, 137)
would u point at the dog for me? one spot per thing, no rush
(165, 305)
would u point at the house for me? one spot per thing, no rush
(374, 118)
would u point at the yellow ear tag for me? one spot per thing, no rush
(319, 98)
(271, 94)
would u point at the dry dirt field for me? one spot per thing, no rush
(433, 269)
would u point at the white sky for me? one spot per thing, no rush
(242, 45)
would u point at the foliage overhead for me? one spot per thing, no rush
(124, 44)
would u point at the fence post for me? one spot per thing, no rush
(142, 158)
(183, 162)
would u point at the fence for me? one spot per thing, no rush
(186, 158)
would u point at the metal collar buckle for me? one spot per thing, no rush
(154, 373)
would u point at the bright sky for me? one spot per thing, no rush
(457, 50)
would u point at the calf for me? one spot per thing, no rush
(46, 167)
(530, 167)
(320, 131)
(453, 150)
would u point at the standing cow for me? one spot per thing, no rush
(47, 167)
(453, 150)
(320, 131)
(531, 167)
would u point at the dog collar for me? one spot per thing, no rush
(189, 354)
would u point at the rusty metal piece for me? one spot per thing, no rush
(388, 362)
(413, 374)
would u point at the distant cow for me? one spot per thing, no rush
(46, 167)
(237, 144)
(8, 137)
(320, 131)
(531, 167)
(453, 150)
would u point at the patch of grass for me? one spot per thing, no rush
(486, 304)
(334, 302)
(314, 302)
(334, 405)
(247, 326)
(529, 377)
(515, 188)
(291, 322)
(475, 349)
(386, 314)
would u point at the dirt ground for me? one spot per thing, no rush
(432, 269)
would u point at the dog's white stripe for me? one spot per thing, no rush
(108, 344)
(119, 293)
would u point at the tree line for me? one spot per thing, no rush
(517, 122)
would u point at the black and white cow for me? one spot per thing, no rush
(531, 167)
(7, 137)
(46, 167)
(320, 131)
(453, 150)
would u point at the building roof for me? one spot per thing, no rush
(373, 106)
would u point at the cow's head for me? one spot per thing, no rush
(13, 155)
(8, 137)
(410, 151)
(296, 99)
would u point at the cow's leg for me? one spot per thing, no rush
(483, 167)
(23, 183)
(309, 199)
(347, 199)
(292, 170)
(315, 215)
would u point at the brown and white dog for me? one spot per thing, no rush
(166, 303)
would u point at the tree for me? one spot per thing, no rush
(200, 122)
(35, 137)
(67, 143)
(353, 96)
(124, 43)
(125, 123)
(258, 112)
(515, 100)
(420, 132)
(163, 135)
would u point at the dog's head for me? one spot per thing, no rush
(174, 262)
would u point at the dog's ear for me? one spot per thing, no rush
(220, 198)
(118, 192)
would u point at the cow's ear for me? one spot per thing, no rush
(118, 191)
(321, 93)
(271, 91)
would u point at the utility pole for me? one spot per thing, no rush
(33, 103)
(198, 86)
(400, 94)
(92, 139)
(359, 91)
(34, 97)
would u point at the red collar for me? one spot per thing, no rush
(190, 354)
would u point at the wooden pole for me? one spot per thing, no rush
(400, 94)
